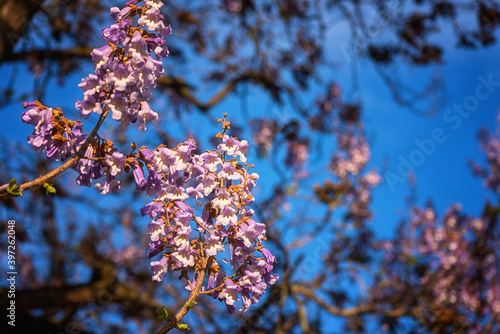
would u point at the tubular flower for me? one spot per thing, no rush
(220, 182)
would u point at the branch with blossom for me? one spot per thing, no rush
(125, 71)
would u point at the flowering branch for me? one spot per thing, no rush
(192, 297)
(124, 73)
(68, 164)
(221, 179)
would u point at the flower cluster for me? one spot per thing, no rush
(352, 188)
(353, 157)
(297, 153)
(217, 182)
(327, 106)
(264, 132)
(232, 6)
(490, 143)
(124, 68)
(58, 136)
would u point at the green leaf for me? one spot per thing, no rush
(49, 188)
(14, 189)
(182, 327)
(12, 182)
(163, 313)
(190, 304)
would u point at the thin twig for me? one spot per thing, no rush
(192, 297)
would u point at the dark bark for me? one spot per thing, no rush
(15, 16)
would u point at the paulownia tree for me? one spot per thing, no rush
(82, 257)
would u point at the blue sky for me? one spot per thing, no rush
(443, 176)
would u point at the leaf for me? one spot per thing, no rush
(49, 188)
(190, 304)
(163, 313)
(12, 182)
(182, 327)
(14, 189)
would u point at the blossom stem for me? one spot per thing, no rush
(197, 222)
(223, 284)
(192, 297)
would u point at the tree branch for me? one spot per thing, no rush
(192, 297)
(176, 84)
(78, 155)
(349, 312)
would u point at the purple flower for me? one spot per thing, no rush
(111, 185)
(163, 159)
(250, 231)
(206, 219)
(183, 156)
(89, 105)
(146, 155)
(146, 115)
(211, 160)
(91, 85)
(228, 172)
(270, 258)
(154, 183)
(118, 106)
(214, 244)
(226, 217)
(101, 58)
(137, 48)
(222, 199)
(173, 193)
(159, 269)
(41, 139)
(152, 209)
(152, 19)
(187, 177)
(271, 278)
(118, 14)
(140, 180)
(117, 33)
(234, 147)
(259, 289)
(156, 229)
(182, 218)
(229, 145)
(115, 163)
(229, 294)
(156, 248)
(121, 77)
(31, 116)
(184, 256)
(207, 184)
